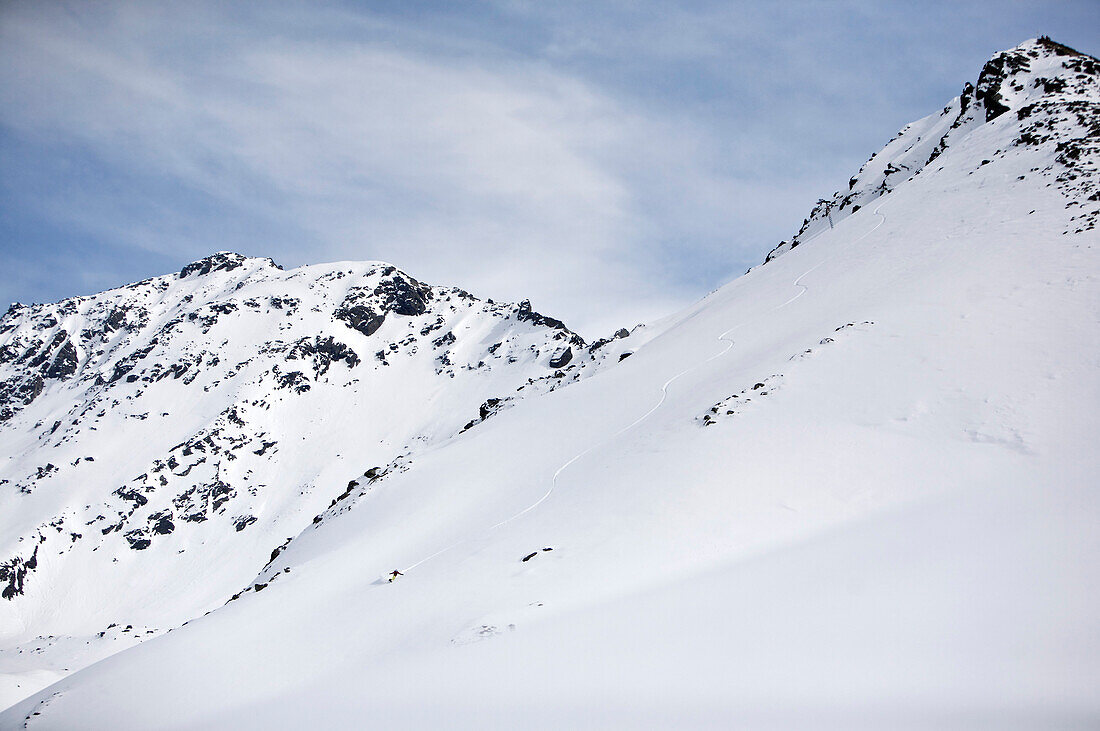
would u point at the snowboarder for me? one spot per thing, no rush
(394, 574)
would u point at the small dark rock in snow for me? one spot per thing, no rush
(243, 522)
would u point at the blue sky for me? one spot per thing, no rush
(611, 161)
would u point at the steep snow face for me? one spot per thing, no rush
(1040, 94)
(853, 487)
(159, 440)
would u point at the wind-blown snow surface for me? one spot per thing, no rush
(856, 486)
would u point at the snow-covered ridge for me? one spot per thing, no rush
(1039, 94)
(201, 418)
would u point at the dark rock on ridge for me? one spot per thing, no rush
(524, 313)
(562, 359)
(223, 261)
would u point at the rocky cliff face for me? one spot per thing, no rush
(1040, 94)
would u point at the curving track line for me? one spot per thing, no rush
(724, 337)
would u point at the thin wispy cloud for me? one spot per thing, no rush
(609, 161)
(454, 170)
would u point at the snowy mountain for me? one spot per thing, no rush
(1035, 95)
(160, 440)
(854, 487)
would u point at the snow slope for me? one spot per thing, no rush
(854, 487)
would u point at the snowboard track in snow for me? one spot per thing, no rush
(724, 338)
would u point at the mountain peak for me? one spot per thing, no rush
(1054, 92)
(1002, 79)
(223, 261)
(1048, 46)
(233, 361)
